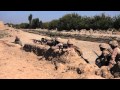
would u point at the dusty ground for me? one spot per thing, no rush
(16, 63)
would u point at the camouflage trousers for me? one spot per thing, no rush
(115, 70)
(101, 62)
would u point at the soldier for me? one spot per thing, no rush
(115, 57)
(57, 41)
(43, 40)
(77, 49)
(17, 41)
(104, 58)
(57, 44)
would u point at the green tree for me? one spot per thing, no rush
(35, 23)
(24, 25)
(69, 21)
(45, 25)
(53, 24)
(116, 22)
(30, 19)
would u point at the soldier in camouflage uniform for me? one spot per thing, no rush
(77, 50)
(114, 63)
(17, 41)
(57, 44)
(104, 58)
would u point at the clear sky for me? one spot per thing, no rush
(17, 17)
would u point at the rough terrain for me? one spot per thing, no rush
(15, 63)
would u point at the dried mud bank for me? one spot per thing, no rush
(83, 37)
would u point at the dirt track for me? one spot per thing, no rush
(16, 63)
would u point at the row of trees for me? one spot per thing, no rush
(33, 23)
(74, 21)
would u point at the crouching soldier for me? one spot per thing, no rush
(104, 58)
(17, 41)
(114, 63)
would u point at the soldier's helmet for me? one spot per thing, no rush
(47, 38)
(58, 39)
(69, 42)
(110, 42)
(103, 46)
(113, 43)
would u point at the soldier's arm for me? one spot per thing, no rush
(112, 60)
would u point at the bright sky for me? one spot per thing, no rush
(22, 16)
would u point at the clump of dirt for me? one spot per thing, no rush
(89, 76)
(86, 68)
(104, 72)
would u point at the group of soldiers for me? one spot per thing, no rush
(109, 56)
(57, 43)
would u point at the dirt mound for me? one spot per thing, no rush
(18, 63)
(90, 76)
(63, 56)
(70, 75)
(104, 72)
(86, 68)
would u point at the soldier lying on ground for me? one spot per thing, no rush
(69, 46)
(77, 49)
(42, 41)
(17, 41)
(57, 44)
(104, 58)
(53, 42)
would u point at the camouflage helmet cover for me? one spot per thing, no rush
(69, 42)
(114, 43)
(103, 46)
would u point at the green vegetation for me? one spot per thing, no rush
(74, 21)
(30, 19)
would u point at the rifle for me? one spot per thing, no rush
(79, 53)
(85, 59)
(96, 53)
